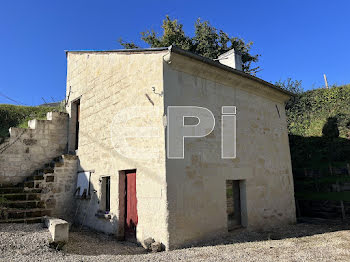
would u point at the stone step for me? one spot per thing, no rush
(14, 213)
(24, 204)
(20, 196)
(7, 190)
(23, 210)
(4, 190)
(35, 178)
(38, 219)
(32, 190)
(30, 184)
(42, 171)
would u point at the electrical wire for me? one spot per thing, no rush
(9, 98)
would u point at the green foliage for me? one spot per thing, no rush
(207, 41)
(318, 152)
(18, 116)
(319, 127)
(309, 112)
(293, 86)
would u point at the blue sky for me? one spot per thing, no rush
(298, 39)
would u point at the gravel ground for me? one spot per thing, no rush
(302, 242)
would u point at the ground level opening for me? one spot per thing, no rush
(234, 204)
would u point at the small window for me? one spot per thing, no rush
(106, 194)
(76, 119)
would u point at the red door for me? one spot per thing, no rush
(131, 205)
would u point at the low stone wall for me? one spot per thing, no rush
(29, 149)
(58, 188)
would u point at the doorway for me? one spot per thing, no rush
(233, 201)
(131, 217)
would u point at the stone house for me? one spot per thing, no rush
(122, 179)
(142, 193)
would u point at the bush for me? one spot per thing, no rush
(309, 112)
(18, 116)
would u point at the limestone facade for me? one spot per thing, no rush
(179, 201)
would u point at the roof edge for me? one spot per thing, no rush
(180, 51)
(120, 50)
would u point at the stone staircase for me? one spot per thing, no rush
(27, 149)
(24, 202)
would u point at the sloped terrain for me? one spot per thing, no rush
(308, 112)
(315, 118)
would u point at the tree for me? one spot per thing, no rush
(207, 41)
(293, 86)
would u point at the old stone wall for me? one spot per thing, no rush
(196, 184)
(28, 149)
(58, 188)
(179, 201)
(112, 85)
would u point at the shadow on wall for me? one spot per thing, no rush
(89, 211)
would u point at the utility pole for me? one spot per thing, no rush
(325, 80)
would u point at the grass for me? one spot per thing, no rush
(309, 111)
(18, 116)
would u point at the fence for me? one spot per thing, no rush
(323, 192)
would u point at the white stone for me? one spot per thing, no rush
(58, 228)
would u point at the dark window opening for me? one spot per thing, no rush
(106, 194)
(233, 199)
(77, 119)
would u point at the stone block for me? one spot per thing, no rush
(147, 243)
(156, 247)
(32, 124)
(50, 178)
(58, 228)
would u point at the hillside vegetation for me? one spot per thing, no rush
(319, 127)
(309, 111)
(18, 116)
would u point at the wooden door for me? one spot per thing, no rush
(131, 205)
